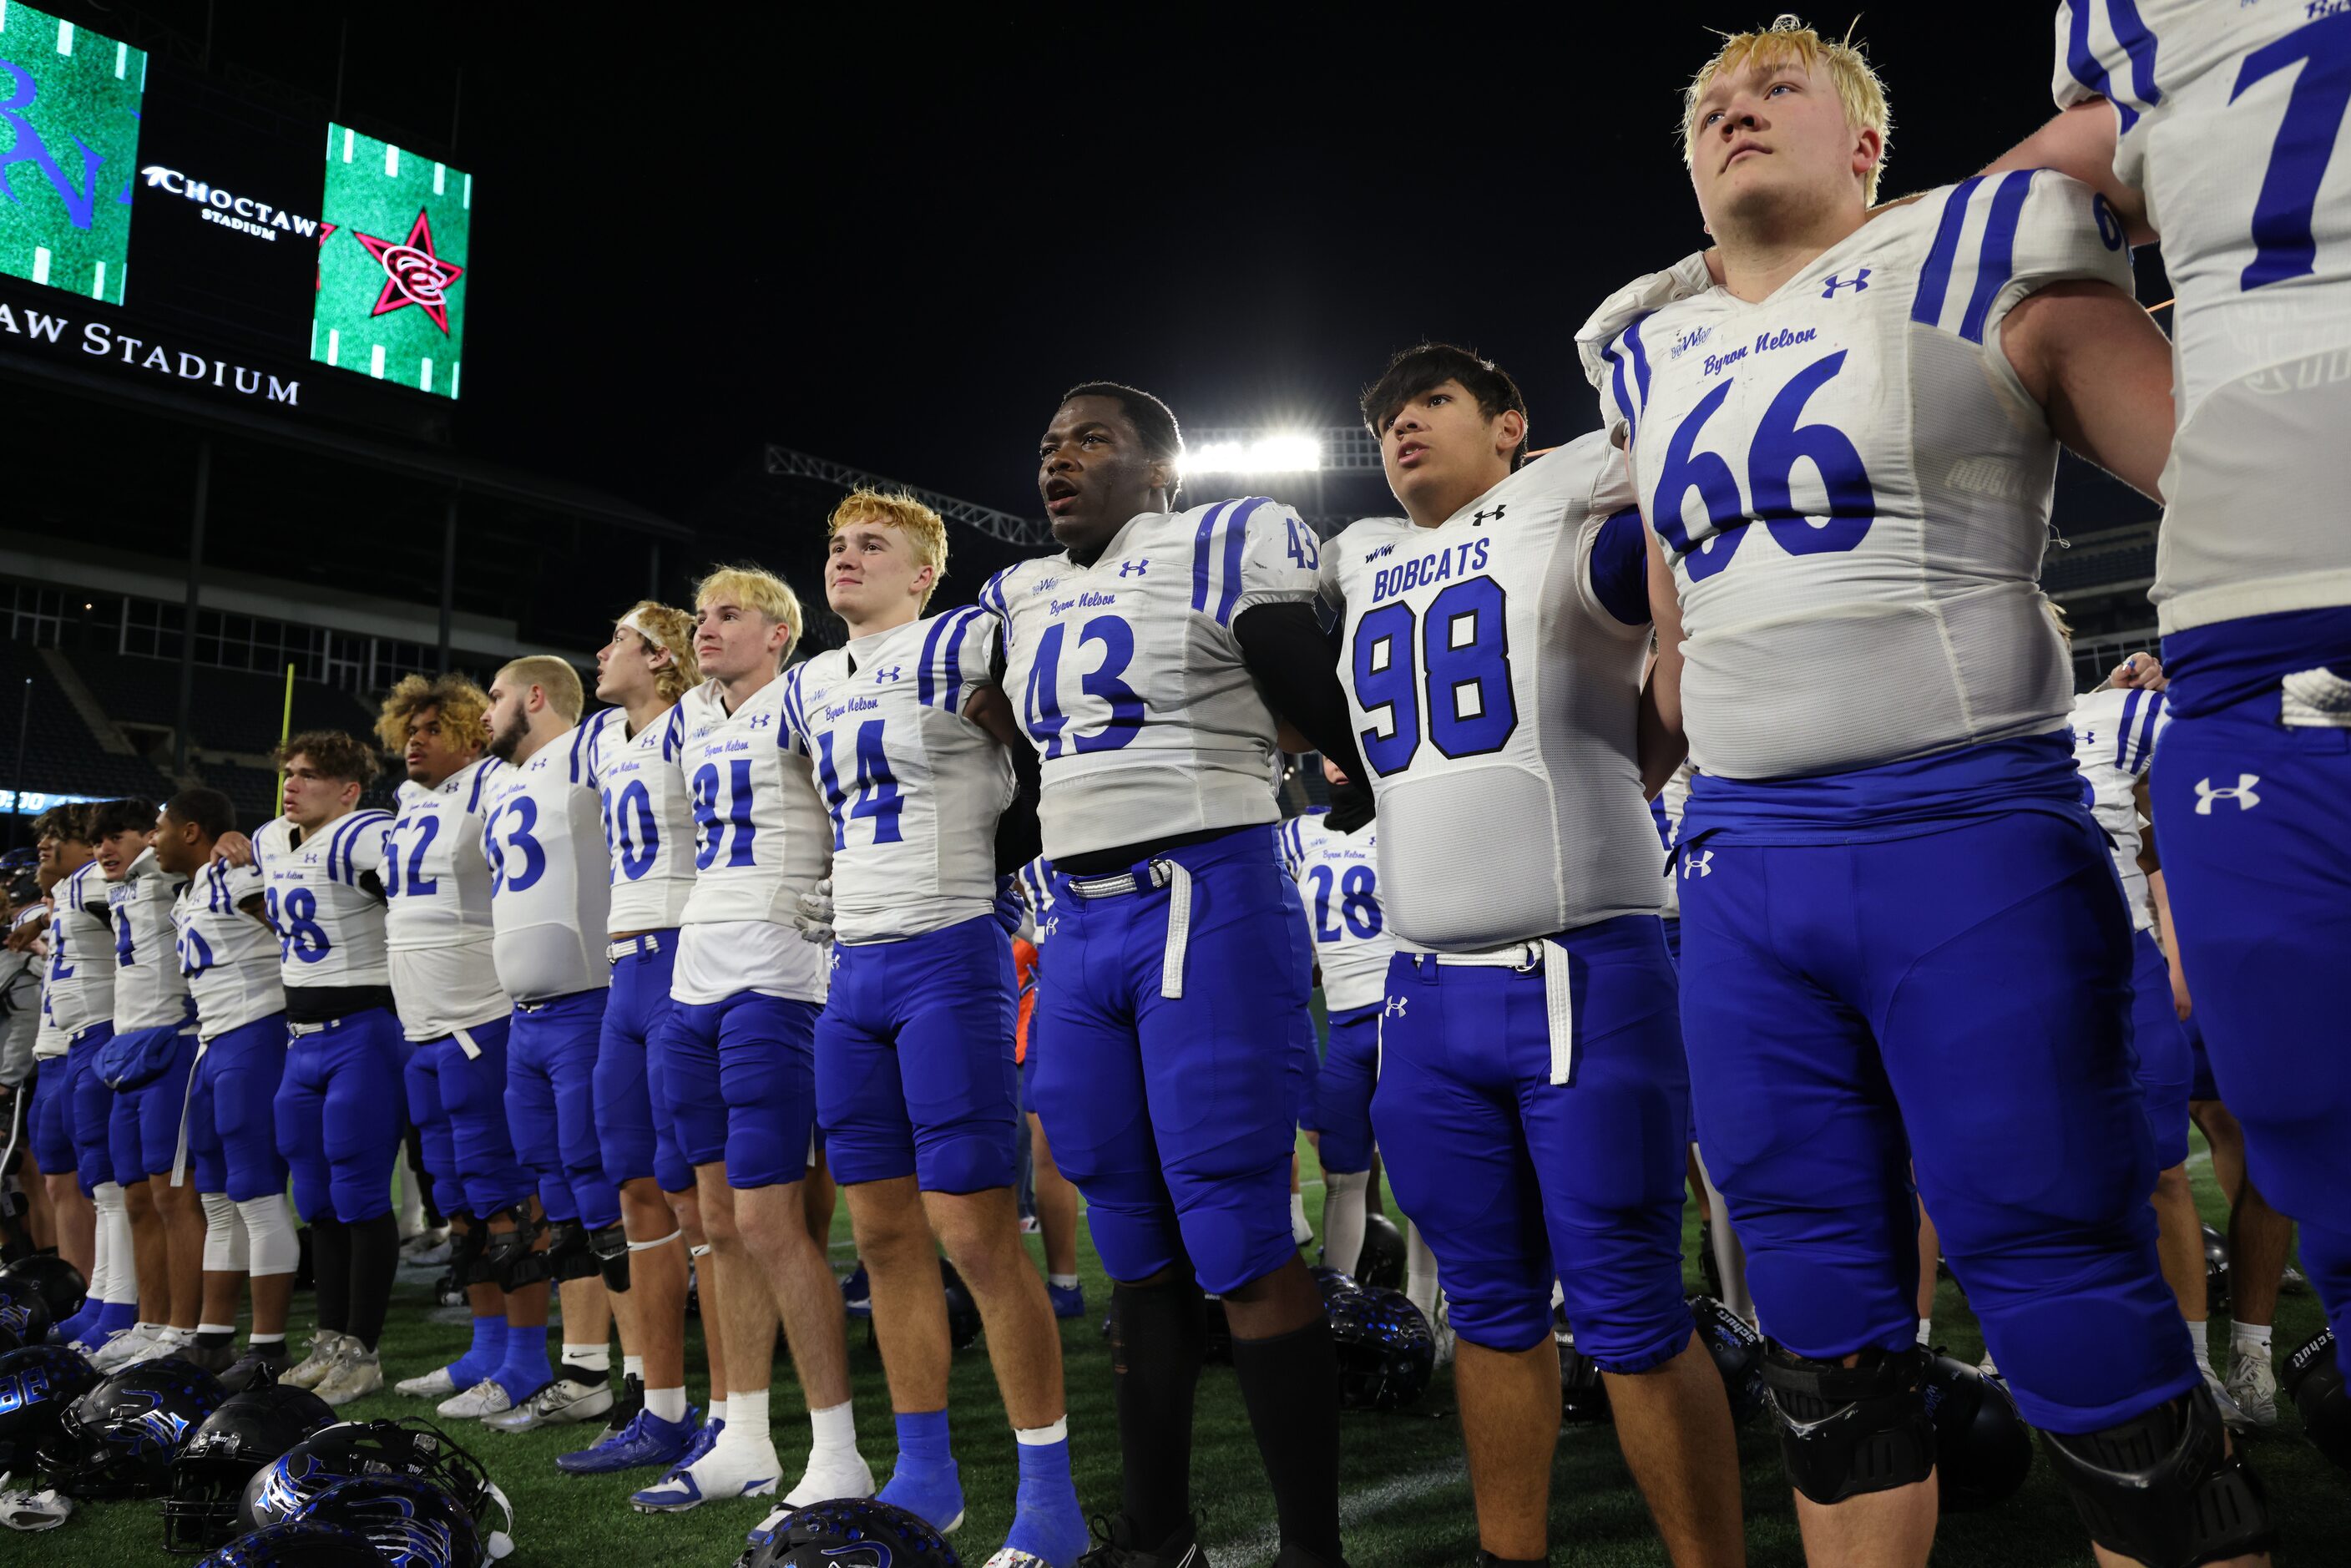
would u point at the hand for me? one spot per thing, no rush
(2180, 1003)
(814, 913)
(1011, 909)
(2140, 671)
(235, 847)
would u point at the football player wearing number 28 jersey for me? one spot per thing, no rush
(1846, 448)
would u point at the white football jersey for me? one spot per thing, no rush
(436, 879)
(1495, 695)
(1129, 680)
(760, 841)
(81, 990)
(2114, 742)
(2230, 122)
(321, 894)
(1888, 605)
(914, 788)
(1337, 876)
(1665, 810)
(149, 989)
(648, 821)
(551, 875)
(228, 958)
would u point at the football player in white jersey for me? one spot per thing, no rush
(58, 837)
(1153, 662)
(1846, 448)
(916, 1086)
(147, 1063)
(550, 892)
(738, 1058)
(338, 1106)
(439, 940)
(1532, 1095)
(644, 670)
(230, 1139)
(2220, 130)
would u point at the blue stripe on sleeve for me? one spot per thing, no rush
(956, 634)
(1996, 262)
(2087, 68)
(580, 735)
(481, 777)
(1620, 568)
(673, 732)
(925, 682)
(1935, 278)
(1640, 358)
(2137, 40)
(2123, 730)
(2146, 729)
(1202, 553)
(1623, 400)
(1236, 551)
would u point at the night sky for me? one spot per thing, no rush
(703, 227)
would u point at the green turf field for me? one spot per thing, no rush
(1405, 1500)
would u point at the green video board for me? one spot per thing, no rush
(391, 299)
(68, 153)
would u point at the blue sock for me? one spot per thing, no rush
(79, 1326)
(523, 1369)
(116, 1315)
(925, 1482)
(483, 1358)
(1047, 1521)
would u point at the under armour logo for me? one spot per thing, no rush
(1132, 567)
(832, 959)
(1394, 1007)
(1052, 923)
(761, 721)
(1698, 865)
(1857, 282)
(2242, 794)
(884, 676)
(1479, 518)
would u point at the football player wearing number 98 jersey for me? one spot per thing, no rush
(738, 1060)
(1149, 662)
(2221, 130)
(1848, 448)
(915, 1073)
(339, 1107)
(1531, 1087)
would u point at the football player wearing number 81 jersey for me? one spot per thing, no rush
(1846, 446)
(915, 1079)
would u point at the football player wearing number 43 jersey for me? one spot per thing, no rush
(1847, 448)
(915, 1079)
(1149, 662)
(2221, 130)
(1531, 1086)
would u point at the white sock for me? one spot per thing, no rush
(2248, 1341)
(633, 1366)
(1419, 1272)
(834, 1429)
(167, 1334)
(589, 1358)
(1062, 1282)
(229, 1329)
(717, 1411)
(2197, 1335)
(746, 1428)
(1927, 1331)
(666, 1404)
(256, 1340)
(1342, 1217)
(1299, 1230)
(1042, 1437)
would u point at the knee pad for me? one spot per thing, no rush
(2162, 1489)
(226, 1251)
(1848, 1430)
(272, 1247)
(507, 1259)
(609, 1248)
(569, 1254)
(466, 1246)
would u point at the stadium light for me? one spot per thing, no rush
(1274, 453)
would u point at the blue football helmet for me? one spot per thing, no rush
(37, 1385)
(1386, 1353)
(353, 1449)
(411, 1523)
(119, 1438)
(849, 1532)
(302, 1545)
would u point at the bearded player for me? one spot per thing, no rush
(916, 1086)
(1531, 1087)
(2220, 130)
(1149, 660)
(738, 1058)
(1795, 435)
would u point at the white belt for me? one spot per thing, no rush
(187, 1099)
(1559, 997)
(647, 942)
(1171, 875)
(464, 1039)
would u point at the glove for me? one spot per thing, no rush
(1011, 909)
(25, 1509)
(813, 915)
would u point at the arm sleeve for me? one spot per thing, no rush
(1018, 839)
(1250, 553)
(1292, 662)
(2103, 55)
(1999, 237)
(1615, 350)
(2144, 716)
(959, 653)
(360, 847)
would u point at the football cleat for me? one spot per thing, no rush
(2234, 1418)
(246, 1370)
(434, 1385)
(487, 1398)
(2253, 1388)
(645, 1443)
(856, 1295)
(130, 1345)
(1067, 1304)
(358, 1374)
(562, 1403)
(840, 1478)
(312, 1369)
(1114, 1547)
(750, 1470)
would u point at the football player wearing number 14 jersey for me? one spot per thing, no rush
(1149, 662)
(1532, 1085)
(1847, 448)
(2223, 127)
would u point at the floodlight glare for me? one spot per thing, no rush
(1263, 455)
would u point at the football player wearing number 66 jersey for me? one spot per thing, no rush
(2221, 130)
(916, 1080)
(1149, 662)
(738, 1061)
(1531, 1088)
(1847, 448)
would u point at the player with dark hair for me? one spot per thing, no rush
(1846, 446)
(323, 866)
(230, 964)
(1152, 663)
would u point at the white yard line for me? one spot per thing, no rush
(1355, 1508)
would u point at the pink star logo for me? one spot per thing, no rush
(412, 274)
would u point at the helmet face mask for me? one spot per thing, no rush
(119, 1440)
(25, 1315)
(1386, 1351)
(210, 1474)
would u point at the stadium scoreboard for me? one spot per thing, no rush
(152, 221)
